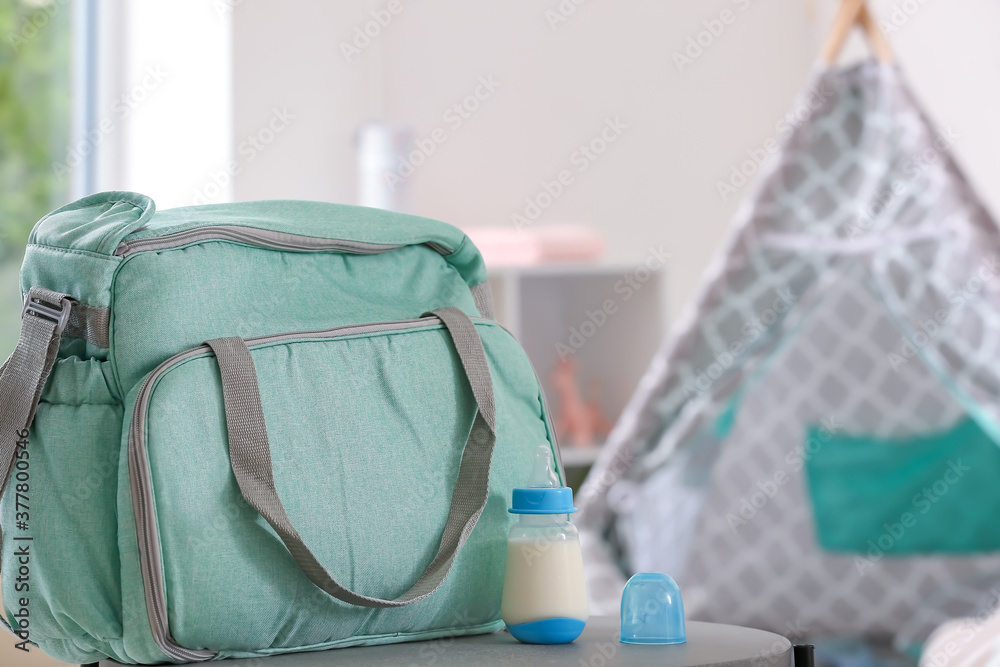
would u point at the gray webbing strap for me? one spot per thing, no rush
(89, 323)
(23, 376)
(483, 296)
(250, 456)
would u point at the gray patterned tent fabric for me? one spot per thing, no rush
(860, 227)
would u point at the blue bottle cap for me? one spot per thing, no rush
(536, 500)
(652, 610)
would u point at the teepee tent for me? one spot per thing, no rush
(815, 450)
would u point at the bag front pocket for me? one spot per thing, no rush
(369, 430)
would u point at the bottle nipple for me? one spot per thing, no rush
(543, 493)
(542, 474)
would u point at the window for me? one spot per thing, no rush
(35, 128)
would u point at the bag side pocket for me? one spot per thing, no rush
(60, 507)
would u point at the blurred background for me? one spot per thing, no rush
(197, 101)
(590, 147)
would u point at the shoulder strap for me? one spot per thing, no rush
(45, 317)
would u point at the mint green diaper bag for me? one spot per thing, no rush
(249, 429)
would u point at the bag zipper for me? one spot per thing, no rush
(139, 475)
(263, 238)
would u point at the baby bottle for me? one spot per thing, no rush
(544, 590)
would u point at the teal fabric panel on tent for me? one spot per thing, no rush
(937, 493)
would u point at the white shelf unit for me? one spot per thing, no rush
(542, 306)
(579, 457)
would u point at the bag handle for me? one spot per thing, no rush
(250, 456)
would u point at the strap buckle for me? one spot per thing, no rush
(59, 313)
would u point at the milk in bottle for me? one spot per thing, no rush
(544, 591)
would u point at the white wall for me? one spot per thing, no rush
(655, 185)
(686, 130)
